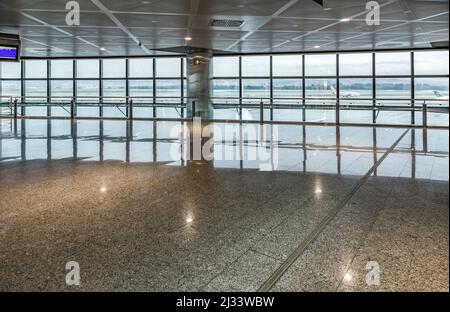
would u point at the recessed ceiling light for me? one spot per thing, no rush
(102, 49)
(345, 19)
(103, 189)
(188, 38)
(316, 46)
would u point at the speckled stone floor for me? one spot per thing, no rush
(161, 226)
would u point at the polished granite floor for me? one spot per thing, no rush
(326, 202)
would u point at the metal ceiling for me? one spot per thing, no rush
(137, 27)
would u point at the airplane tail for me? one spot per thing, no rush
(437, 94)
(333, 90)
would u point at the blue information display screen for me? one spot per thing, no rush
(8, 53)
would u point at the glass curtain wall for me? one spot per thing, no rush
(369, 87)
(381, 87)
(100, 86)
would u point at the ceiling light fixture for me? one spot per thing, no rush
(345, 20)
(188, 38)
(316, 46)
(102, 49)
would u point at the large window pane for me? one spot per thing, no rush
(88, 68)
(393, 64)
(36, 90)
(88, 88)
(167, 89)
(356, 92)
(10, 88)
(255, 66)
(114, 92)
(355, 88)
(431, 63)
(61, 69)
(140, 68)
(114, 68)
(36, 69)
(432, 88)
(355, 64)
(61, 88)
(285, 89)
(256, 88)
(320, 65)
(61, 91)
(287, 65)
(320, 88)
(226, 66)
(393, 88)
(114, 88)
(141, 88)
(225, 87)
(10, 70)
(168, 67)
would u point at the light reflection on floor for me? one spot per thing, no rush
(334, 150)
(90, 192)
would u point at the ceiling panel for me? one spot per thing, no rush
(46, 5)
(153, 6)
(269, 25)
(240, 7)
(86, 18)
(152, 20)
(93, 31)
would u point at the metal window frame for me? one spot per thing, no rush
(303, 77)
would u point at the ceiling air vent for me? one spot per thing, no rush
(226, 23)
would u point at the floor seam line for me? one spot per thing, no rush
(366, 235)
(277, 274)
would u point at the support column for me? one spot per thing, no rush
(199, 84)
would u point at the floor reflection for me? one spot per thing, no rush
(423, 154)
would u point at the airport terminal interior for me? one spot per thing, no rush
(211, 145)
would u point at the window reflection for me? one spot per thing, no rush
(431, 63)
(287, 65)
(168, 67)
(88, 68)
(353, 64)
(141, 68)
(393, 64)
(320, 65)
(226, 66)
(36, 69)
(255, 66)
(61, 69)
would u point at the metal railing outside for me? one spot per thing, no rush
(17, 105)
